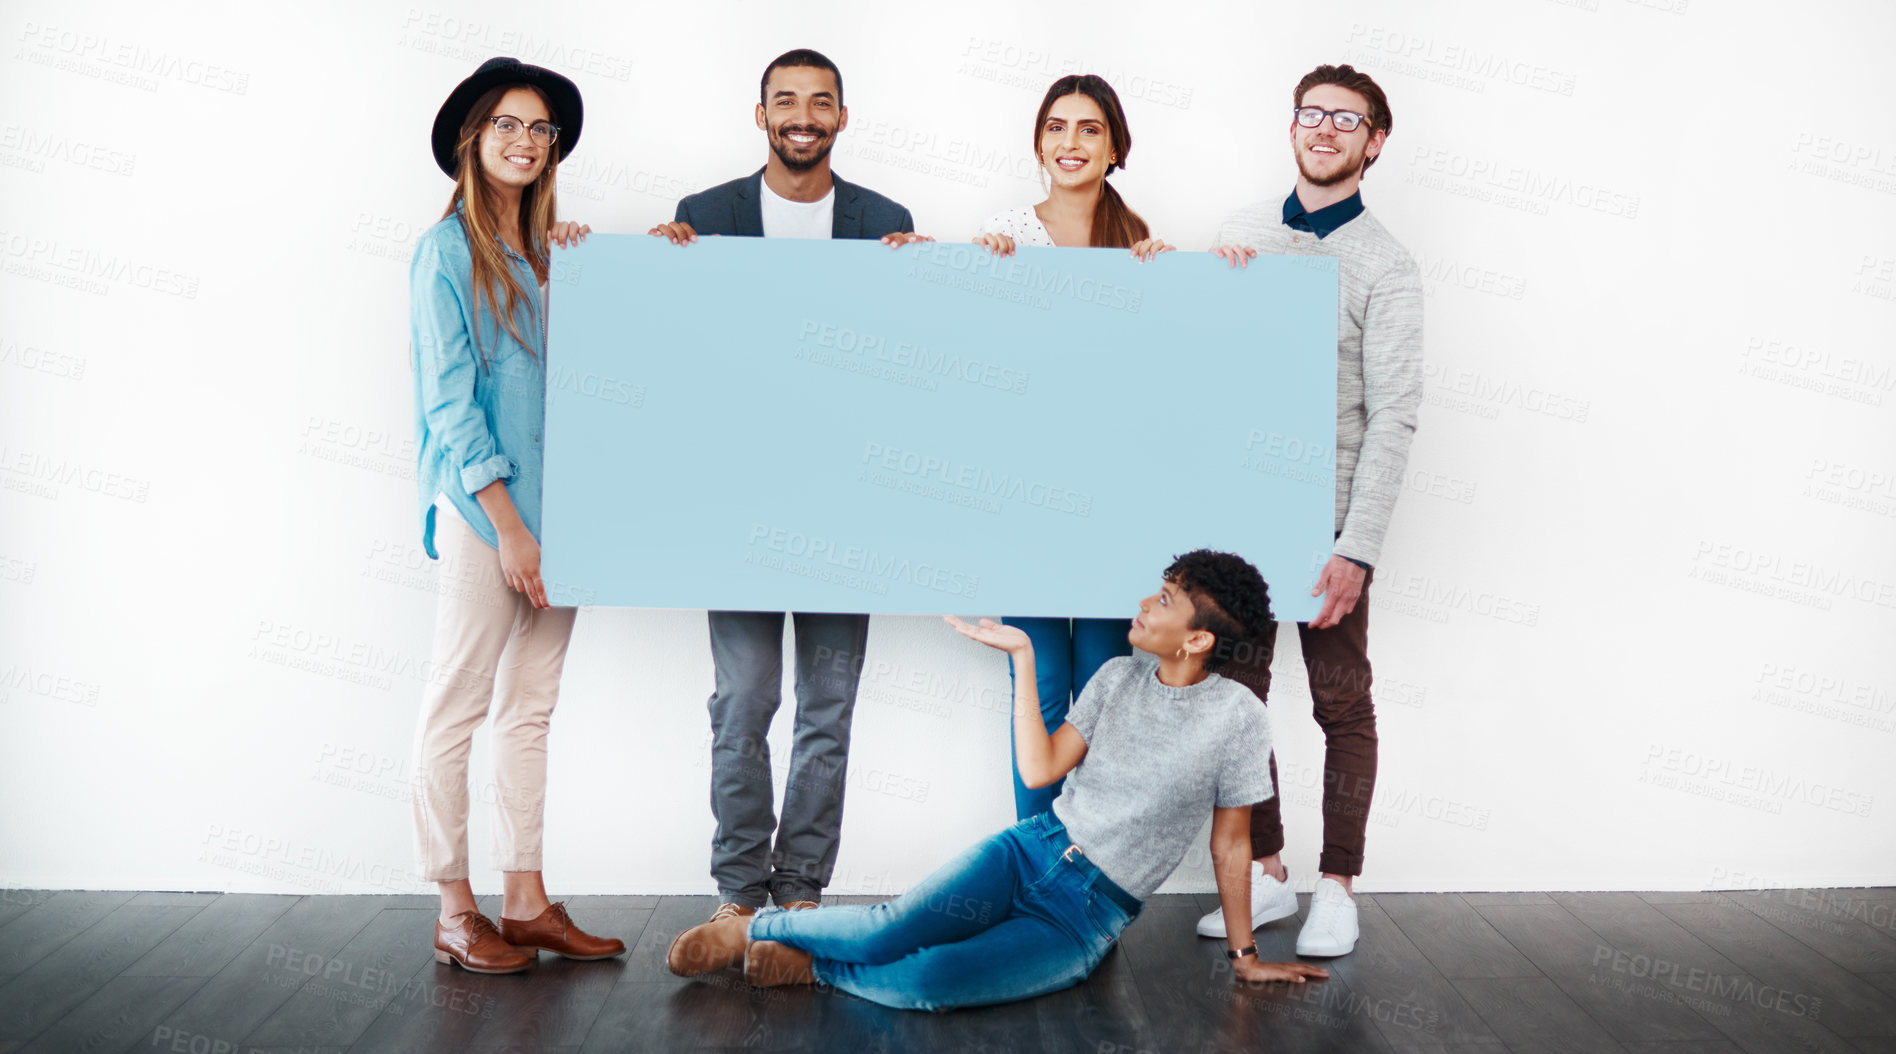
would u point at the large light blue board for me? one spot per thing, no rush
(786, 425)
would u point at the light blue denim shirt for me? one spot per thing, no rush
(475, 422)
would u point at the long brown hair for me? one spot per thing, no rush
(479, 207)
(1115, 225)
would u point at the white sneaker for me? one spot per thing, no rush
(1331, 928)
(1270, 900)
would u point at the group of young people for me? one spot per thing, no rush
(1127, 734)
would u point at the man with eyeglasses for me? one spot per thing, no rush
(1339, 122)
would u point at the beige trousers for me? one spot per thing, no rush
(491, 649)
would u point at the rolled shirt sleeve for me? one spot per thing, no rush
(446, 370)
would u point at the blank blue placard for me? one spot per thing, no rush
(786, 425)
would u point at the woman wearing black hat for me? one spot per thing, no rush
(478, 322)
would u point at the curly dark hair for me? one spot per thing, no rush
(1229, 598)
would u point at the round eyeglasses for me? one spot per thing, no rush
(1344, 120)
(543, 133)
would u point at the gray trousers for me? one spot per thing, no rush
(747, 651)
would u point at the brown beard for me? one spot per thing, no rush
(823, 144)
(1330, 181)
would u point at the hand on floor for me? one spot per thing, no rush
(1249, 969)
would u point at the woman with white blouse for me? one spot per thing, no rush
(1080, 137)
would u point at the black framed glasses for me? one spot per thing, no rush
(1343, 120)
(543, 133)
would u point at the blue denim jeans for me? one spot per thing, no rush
(1067, 653)
(1019, 915)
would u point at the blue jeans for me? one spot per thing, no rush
(1014, 917)
(1067, 653)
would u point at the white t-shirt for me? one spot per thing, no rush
(1020, 223)
(784, 218)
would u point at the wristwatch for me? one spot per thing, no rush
(1241, 953)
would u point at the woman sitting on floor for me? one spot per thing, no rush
(1156, 740)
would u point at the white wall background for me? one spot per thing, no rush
(1633, 626)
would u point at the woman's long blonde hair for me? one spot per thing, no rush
(479, 207)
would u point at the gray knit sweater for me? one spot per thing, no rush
(1378, 359)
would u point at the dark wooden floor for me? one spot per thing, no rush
(1689, 973)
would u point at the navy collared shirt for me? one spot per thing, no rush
(1326, 219)
(1321, 223)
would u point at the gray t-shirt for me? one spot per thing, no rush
(1157, 760)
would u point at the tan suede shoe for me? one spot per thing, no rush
(556, 932)
(471, 942)
(799, 905)
(768, 964)
(711, 945)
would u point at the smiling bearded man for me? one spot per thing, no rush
(1339, 122)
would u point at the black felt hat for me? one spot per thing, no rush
(562, 95)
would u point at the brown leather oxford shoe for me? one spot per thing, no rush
(556, 932)
(471, 942)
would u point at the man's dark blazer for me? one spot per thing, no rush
(737, 208)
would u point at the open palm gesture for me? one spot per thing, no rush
(1010, 639)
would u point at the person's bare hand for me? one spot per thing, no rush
(1146, 249)
(1249, 969)
(679, 233)
(520, 566)
(901, 238)
(1235, 255)
(998, 244)
(1340, 584)
(1010, 639)
(568, 231)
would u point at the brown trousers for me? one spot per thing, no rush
(1337, 660)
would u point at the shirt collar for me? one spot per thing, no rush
(460, 211)
(1324, 221)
